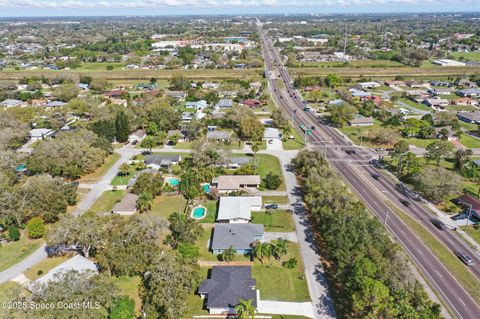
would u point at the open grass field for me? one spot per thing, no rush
(468, 56)
(99, 66)
(294, 144)
(353, 64)
(165, 205)
(270, 164)
(470, 141)
(448, 259)
(274, 220)
(129, 286)
(474, 233)
(15, 251)
(5, 287)
(99, 172)
(136, 74)
(107, 200)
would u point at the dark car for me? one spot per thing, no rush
(439, 224)
(375, 176)
(405, 203)
(464, 258)
(271, 206)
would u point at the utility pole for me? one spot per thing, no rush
(345, 44)
(468, 217)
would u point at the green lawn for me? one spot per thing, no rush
(278, 283)
(211, 206)
(99, 66)
(43, 267)
(203, 245)
(107, 200)
(446, 257)
(129, 286)
(5, 287)
(270, 164)
(474, 233)
(419, 106)
(274, 220)
(14, 251)
(419, 142)
(183, 145)
(99, 172)
(275, 200)
(122, 180)
(470, 141)
(165, 205)
(469, 56)
(294, 144)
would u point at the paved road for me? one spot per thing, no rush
(439, 278)
(16, 270)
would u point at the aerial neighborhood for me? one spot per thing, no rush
(240, 166)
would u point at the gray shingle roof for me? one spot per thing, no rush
(238, 236)
(161, 159)
(227, 285)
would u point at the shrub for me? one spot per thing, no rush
(35, 228)
(272, 181)
(13, 233)
(290, 264)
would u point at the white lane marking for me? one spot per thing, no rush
(403, 232)
(421, 253)
(461, 301)
(450, 241)
(439, 274)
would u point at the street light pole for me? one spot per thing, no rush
(469, 215)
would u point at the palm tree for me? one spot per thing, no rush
(124, 169)
(262, 250)
(280, 248)
(144, 202)
(245, 309)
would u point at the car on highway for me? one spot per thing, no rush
(313, 128)
(405, 203)
(375, 176)
(271, 206)
(439, 224)
(464, 258)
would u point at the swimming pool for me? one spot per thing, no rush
(173, 181)
(199, 212)
(206, 188)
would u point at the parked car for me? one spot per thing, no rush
(271, 206)
(464, 258)
(405, 203)
(439, 224)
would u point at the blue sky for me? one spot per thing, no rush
(15, 8)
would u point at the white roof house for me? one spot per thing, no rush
(77, 263)
(271, 133)
(237, 209)
(12, 103)
(40, 133)
(369, 85)
(448, 62)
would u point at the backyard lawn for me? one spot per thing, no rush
(278, 283)
(275, 200)
(14, 251)
(129, 286)
(165, 205)
(99, 172)
(211, 206)
(274, 220)
(107, 200)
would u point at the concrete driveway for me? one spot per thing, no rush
(276, 145)
(286, 308)
(271, 236)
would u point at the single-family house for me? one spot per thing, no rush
(230, 183)
(147, 86)
(466, 83)
(179, 95)
(359, 93)
(235, 162)
(377, 100)
(127, 206)
(38, 102)
(414, 84)
(40, 133)
(255, 86)
(158, 161)
(469, 92)
(369, 85)
(224, 103)
(12, 103)
(469, 117)
(219, 136)
(394, 83)
(271, 133)
(238, 209)
(251, 103)
(441, 83)
(440, 91)
(210, 86)
(55, 104)
(470, 202)
(115, 93)
(446, 133)
(465, 101)
(77, 263)
(137, 136)
(436, 102)
(197, 105)
(360, 120)
(239, 236)
(225, 288)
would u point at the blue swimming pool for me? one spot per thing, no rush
(206, 188)
(173, 181)
(199, 212)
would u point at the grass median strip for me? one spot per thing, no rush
(446, 257)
